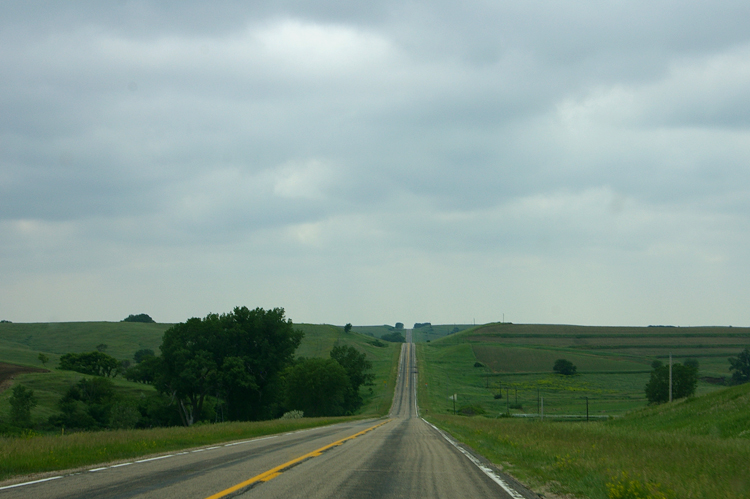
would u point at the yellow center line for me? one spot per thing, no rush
(278, 470)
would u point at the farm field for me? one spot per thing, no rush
(613, 366)
(693, 448)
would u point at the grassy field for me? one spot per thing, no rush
(693, 448)
(696, 448)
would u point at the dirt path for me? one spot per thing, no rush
(9, 371)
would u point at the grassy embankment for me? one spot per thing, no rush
(21, 343)
(692, 448)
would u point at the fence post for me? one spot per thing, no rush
(587, 409)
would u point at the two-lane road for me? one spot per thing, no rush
(401, 456)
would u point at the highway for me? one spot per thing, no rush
(401, 456)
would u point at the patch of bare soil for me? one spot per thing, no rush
(9, 371)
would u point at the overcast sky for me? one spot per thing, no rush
(578, 162)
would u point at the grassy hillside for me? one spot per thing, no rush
(21, 343)
(693, 448)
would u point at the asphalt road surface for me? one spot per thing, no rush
(394, 457)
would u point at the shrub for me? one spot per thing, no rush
(623, 487)
(471, 410)
(393, 337)
(478, 364)
(293, 415)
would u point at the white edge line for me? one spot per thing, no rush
(97, 469)
(154, 458)
(487, 471)
(30, 483)
(120, 465)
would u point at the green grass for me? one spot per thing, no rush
(21, 456)
(20, 343)
(695, 448)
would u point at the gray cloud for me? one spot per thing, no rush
(446, 162)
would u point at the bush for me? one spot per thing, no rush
(684, 383)
(471, 410)
(293, 415)
(478, 364)
(94, 363)
(624, 487)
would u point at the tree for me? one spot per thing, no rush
(684, 383)
(399, 325)
(565, 367)
(138, 318)
(94, 363)
(393, 337)
(318, 387)
(142, 354)
(21, 403)
(741, 367)
(238, 356)
(102, 347)
(356, 365)
(348, 327)
(144, 372)
(43, 359)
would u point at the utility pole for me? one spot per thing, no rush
(587, 409)
(670, 376)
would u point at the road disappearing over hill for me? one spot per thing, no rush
(401, 456)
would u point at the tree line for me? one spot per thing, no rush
(237, 366)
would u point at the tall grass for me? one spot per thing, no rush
(36, 454)
(581, 458)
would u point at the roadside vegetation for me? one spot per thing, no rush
(80, 393)
(694, 447)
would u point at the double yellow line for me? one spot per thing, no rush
(278, 470)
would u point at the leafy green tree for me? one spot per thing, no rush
(138, 318)
(318, 387)
(86, 405)
(43, 359)
(684, 383)
(239, 356)
(394, 337)
(144, 372)
(21, 403)
(348, 327)
(356, 365)
(102, 347)
(565, 367)
(142, 354)
(94, 363)
(741, 367)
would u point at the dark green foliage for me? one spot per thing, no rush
(565, 367)
(21, 403)
(238, 356)
(684, 383)
(318, 387)
(377, 343)
(43, 359)
(741, 367)
(693, 363)
(418, 325)
(656, 364)
(348, 328)
(138, 318)
(101, 347)
(478, 364)
(471, 410)
(94, 363)
(144, 372)
(393, 337)
(399, 325)
(357, 369)
(86, 405)
(142, 354)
